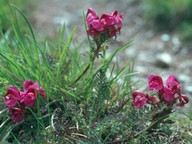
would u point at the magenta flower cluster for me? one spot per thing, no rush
(108, 25)
(170, 93)
(17, 100)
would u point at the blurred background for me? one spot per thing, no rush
(161, 30)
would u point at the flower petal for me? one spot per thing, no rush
(155, 82)
(17, 114)
(139, 99)
(27, 84)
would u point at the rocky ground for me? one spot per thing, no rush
(155, 52)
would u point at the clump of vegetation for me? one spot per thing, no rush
(6, 14)
(67, 100)
(173, 15)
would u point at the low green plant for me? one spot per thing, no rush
(172, 15)
(80, 102)
(168, 14)
(6, 14)
(185, 32)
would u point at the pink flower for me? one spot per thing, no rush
(155, 82)
(27, 84)
(98, 25)
(104, 27)
(17, 100)
(33, 87)
(173, 84)
(169, 95)
(153, 100)
(42, 92)
(107, 19)
(112, 32)
(118, 19)
(90, 16)
(12, 96)
(17, 114)
(183, 99)
(93, 32)
(28, 98)
(139, 99)
(172, 81)
(31, 90)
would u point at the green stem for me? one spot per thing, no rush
(88, 66)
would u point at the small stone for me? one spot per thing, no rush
(140, 69)
(165, 37)
(176, 44)
(188, 89)
(163, 60)
(60, 20)
(131, 52)
(176, 41)
(184, 78)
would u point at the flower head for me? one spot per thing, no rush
(139, 99)
(152, 99)
(155, 82)
(169, 95)
(12, 96)
(118, 19)
(173, 84)
(28, 99)
(17, 114)
(31, 90)
(183, 99)
(90, 16)
(17, 100)
(104, 27)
